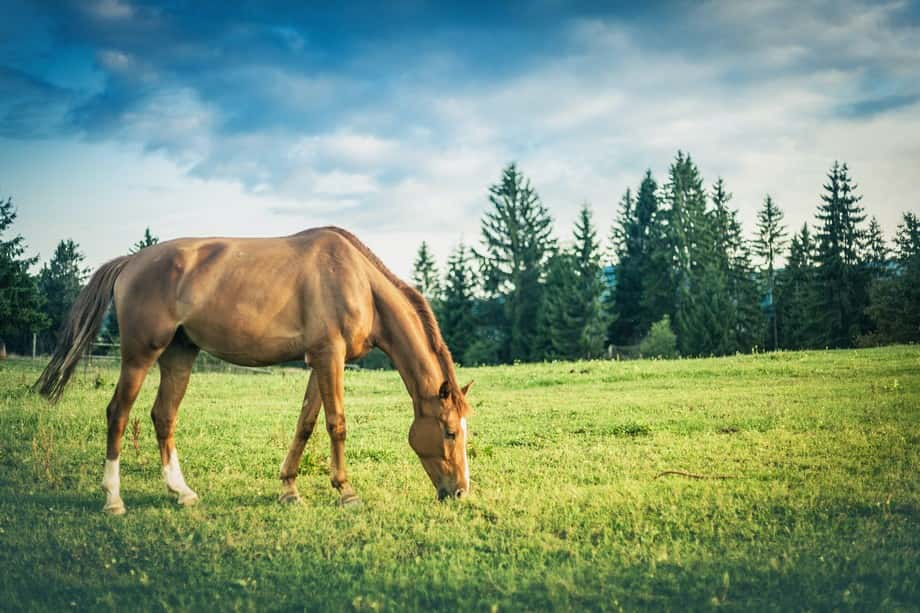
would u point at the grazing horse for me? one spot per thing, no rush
(320, 295)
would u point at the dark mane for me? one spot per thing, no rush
(422, 309)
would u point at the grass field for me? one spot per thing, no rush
(821, 510)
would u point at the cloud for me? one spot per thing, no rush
(404, 119)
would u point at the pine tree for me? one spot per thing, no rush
(59, 281)
(688, 248)
(517, 240)
(876, 252)
(148, 241)
(425, 274)
(20, 300)
(842, 284)
(895, 298)
(796, 298)
(595, 319)
(742, 314)
(625, 308)
(574, 319)
(768, 244)
(562, 314)
(658, 280)
(456, 317)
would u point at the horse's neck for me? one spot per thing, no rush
(404, 340)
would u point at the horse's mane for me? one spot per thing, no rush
(422, 309)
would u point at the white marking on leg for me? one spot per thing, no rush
(466, 459)
(175, 482)
(111, 485)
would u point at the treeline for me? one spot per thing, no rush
(34, 307)
(679, 278)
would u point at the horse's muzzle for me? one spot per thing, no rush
(444, 493)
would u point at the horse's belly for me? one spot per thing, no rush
(247, 338)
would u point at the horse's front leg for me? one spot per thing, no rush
(305, 424)
(329, 367)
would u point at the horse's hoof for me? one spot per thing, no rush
(116, 507)
(290, 498)
(188, 499)
(350, 500)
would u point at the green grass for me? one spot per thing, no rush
(823, 511)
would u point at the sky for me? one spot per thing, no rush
(392, 119)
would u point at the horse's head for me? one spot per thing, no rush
(439, 437)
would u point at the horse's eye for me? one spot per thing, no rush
(450, 435)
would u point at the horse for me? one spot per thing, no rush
(319, 295)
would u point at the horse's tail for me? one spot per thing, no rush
(81, 329)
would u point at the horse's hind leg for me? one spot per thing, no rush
(305, 424)
(129, 384)
(175, 369)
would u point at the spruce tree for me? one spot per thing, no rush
(20, 300)
(516, 242)
(425, 274)
(876, 252)
(796, 297)
(841, 283)
(456, 317)
(688, 246)
(59, 281)
(574, 320)
(768, 244)
(587, 251)
(147, 241)
(562, 316)
(895, 298)
(625, 307)
(742, 314)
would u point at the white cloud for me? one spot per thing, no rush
(111, 9)
(755, 97)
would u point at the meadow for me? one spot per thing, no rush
(811, 499)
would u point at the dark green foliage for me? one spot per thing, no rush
(768, 244)
(147, 241)
(633, 241)
(455, 313)
(516, 242)
(20, 301)
(876, 253)
(796, 294)
(742, 316)
(895, 299)
(562, 315)
(574, 320)
(59, 281)
(660, 342)
(425, 274)
(697, 275)
(842, 281)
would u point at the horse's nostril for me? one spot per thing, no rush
(459, 493)
(442, 493)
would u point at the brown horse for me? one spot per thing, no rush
(319, 295)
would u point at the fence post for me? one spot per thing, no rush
(34, 341)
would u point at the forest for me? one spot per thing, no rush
(676, 277)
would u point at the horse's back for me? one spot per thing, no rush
(249, 300)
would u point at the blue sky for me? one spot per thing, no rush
(393, 119)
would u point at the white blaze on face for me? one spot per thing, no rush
(466, 460)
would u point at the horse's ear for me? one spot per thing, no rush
(444, 392)
(466, 388)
